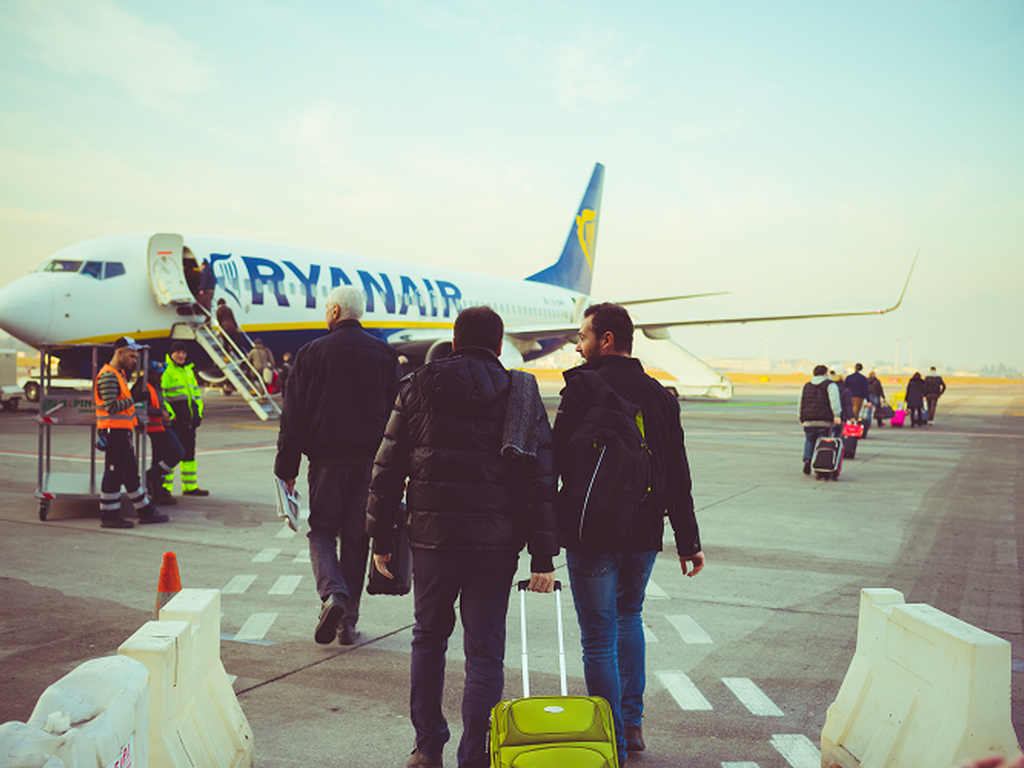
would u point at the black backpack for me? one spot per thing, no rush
(606, 471)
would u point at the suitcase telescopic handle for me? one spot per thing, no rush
(522, 585)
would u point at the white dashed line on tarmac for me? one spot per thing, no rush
(689, 630)
(752, 697)
(653, 590)
(285, 585)
(256, 626)
(286, 533)
(684, 691)
(302, 557)
(740, 765)
(797, 749)
(649, 635)
(267, 555)
(239, 584)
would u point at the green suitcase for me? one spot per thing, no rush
(548, 731)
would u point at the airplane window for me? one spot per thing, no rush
(248, 285)
(93, 269)
(114, 269)
(291, 288)
(63, 266)
(323, 291)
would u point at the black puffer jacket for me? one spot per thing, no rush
(445, 436)
(340, 392)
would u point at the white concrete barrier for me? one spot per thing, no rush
(195, 718)
(96, 715)
(923, 689)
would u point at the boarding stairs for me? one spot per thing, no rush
(234, 364)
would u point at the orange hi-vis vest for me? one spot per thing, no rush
(155, 423)
(124, 419)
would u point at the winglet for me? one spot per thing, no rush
(905, 286)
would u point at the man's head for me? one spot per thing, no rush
(932, 370)
(821, 370)
(179, 352)
(156, 370)
(478, 327)
(607, 329)
(221, 302)
(872, 375)
(346, 302)
(858, 367)
(257, 342)
(126, 353)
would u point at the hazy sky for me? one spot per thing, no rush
(795, 154)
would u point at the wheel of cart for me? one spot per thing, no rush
(74, 409)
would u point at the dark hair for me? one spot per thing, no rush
(478, 327)
(820, 370)
(858, 367)
(613, 318)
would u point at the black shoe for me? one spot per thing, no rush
(116, 522)
(162, 499)
(635, 738)
(348, 635)
(331, 615)
(149, 515)
(807, 466)
(196, 492)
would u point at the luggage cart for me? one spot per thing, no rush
(64, 407)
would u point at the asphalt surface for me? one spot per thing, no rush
(932, 512)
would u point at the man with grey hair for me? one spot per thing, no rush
(340, 392)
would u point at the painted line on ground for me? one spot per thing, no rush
(689, 630)
(740, 765)
(684, 691)
(797, 749)
(752, 697)
(302, 557)
(285, 585)
(285, 533)
(649, 636)
(267, 555)
(256, 626)
(239, 584)
(653, 590)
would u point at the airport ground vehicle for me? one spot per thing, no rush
(10, 392)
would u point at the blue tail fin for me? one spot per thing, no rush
(575, 268)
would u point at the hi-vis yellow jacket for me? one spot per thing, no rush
(184, 400)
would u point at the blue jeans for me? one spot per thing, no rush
(481, 581)
(608, 591)
(337, 513)
(812, 434)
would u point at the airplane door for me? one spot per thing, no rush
(166, 275)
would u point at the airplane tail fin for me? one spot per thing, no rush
(575, 268)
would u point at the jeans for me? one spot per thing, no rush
(812, 434)
(337, 516)
(933, 403)
(481, 581)
(608, 591)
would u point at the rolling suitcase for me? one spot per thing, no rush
(898, 418)
(827, 461)
(852, 433)
(544, 731)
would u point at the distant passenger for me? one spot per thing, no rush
(820, 410)
(226, 320)
(914, 398)
(845, 397)
(934, 387)
(340, 391)
(207, 285)
(262, 360)
(286, 368)
(877, 395)
(859, 390)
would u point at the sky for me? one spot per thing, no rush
(794, 154)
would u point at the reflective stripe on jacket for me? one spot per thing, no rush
(121, 420)
(181, 391)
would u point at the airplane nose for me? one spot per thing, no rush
(26, 306)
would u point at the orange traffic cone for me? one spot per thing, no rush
(170, 582)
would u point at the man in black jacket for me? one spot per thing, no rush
(476, 494)
(608, 586)
(934, 387)
(339, 395)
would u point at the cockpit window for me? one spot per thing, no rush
(58, 265)
(93, 269)
(114, 268)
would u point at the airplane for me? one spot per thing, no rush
(144, 285)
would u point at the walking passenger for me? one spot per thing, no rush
(609, 575)
(859, 390)
(914, 398)
(474, 442)
(876, 394)
(184, 403)
(820, 409)
(934, 387)
(339, 396)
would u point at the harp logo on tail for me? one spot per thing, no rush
(585, 231)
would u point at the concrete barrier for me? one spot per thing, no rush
(96, 715)
(923, 689)
(195, 718)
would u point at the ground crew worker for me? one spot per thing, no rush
(167, 450)
(184, 403)
(115, 419)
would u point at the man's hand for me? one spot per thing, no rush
(542, 582)
(698, 564)
(289, 485)
(380, 563)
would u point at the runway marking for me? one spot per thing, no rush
(690, 630)
(285, 585)
(797, 749)
(653, 590)
(740, 765)
(239, 584)
(256, 626)
(285, 533)
(752, 697)
(684, 691)
(649, 636)
(267, 555)
(302, 557)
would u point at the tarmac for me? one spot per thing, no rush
(933, 512)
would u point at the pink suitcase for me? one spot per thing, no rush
(898, 418)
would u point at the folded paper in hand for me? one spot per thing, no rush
(287, 504)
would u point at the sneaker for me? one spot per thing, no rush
(196, 492)
(419, 760)
(807, 466)
(116, 522)
(347, 635)
(635, 738)
(148, 514)
(331, 615)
